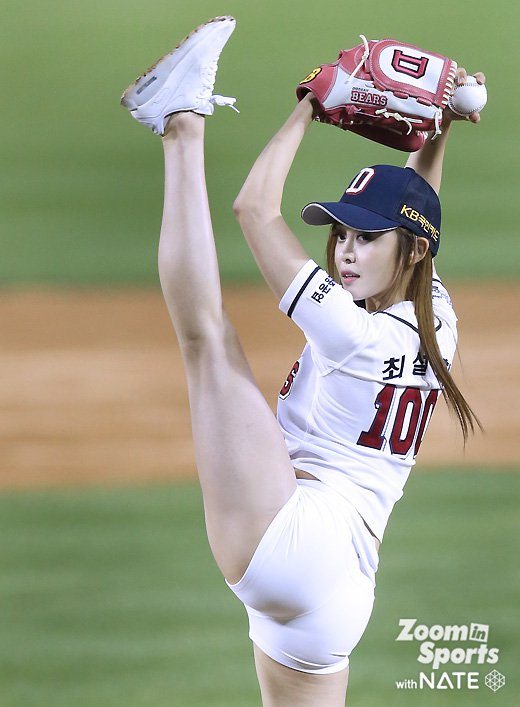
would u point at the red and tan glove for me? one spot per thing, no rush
(384, 90)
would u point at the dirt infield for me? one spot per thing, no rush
(93, 390)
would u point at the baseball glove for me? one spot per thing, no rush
(384, 90)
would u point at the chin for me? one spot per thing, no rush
(356, 293)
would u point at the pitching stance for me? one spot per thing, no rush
(296, 505)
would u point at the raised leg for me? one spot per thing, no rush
(244, 469)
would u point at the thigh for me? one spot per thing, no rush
(284, 687)
(244, 468)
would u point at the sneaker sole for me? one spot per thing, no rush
(129, 99)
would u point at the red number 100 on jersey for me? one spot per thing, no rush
(410, 406)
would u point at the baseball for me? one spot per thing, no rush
(469, 98)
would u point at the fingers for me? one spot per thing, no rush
(462, 76)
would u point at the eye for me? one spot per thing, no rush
(342, 237)
(338, 231)
(367, 237)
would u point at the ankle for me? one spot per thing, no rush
(184, 123)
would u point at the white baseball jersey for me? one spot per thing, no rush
(356, 404)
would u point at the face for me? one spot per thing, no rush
(366, 262)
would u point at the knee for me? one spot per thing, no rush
(208, 336)
(200, 337)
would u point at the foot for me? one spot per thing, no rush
(182, 80)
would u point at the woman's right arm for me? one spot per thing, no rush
(429, 159)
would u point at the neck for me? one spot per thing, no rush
(387, 299)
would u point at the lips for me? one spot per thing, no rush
(348, 275)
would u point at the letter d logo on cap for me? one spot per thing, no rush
(360, 181)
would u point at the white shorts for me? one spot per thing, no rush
(309, 588)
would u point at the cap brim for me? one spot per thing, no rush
(320, 214)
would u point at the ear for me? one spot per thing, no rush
(422, 246)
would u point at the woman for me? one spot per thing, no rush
(295, 509)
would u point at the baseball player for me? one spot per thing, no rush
(296, 506)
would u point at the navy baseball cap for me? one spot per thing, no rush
(380, 198)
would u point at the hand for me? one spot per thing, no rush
(460, 79)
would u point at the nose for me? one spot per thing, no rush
(348, 253)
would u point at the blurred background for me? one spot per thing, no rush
(109, 594)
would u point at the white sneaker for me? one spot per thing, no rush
(182, 80)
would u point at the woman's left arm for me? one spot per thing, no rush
(429, 159)
(277, 251)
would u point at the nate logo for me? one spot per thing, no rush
(312, 75)
(413, 215)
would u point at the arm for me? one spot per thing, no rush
(277, 251)
(429, 159)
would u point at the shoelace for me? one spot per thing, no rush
(208, 76)
(224, 101)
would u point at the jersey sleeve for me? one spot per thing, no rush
(333, 324)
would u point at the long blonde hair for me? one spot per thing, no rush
(419, 291)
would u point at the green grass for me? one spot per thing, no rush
(81, 182)
(110, 596)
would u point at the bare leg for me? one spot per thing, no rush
(284, 687)
(245, 471)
